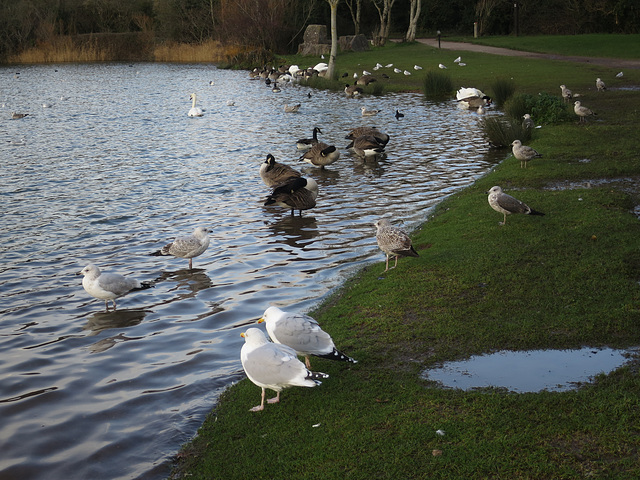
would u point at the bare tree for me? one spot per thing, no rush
(355, 7)
(483, 13)
(334, 38)
(384, 12)
(414, 14)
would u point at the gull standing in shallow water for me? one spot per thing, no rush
(523, 153)
(274, 366)
(302, 333)
(393, 241)
(108, 286)
(506, 204)
(187, 247)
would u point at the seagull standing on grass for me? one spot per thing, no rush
(506, 204)
(600, 85)
(274, 366)
(582, 112)
(566, 93)
(523, 153)
(302, 333)
(393, 241)
(187, 247)
(527, 123)
(108, 286)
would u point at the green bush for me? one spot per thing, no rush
(501, 131)
(437, 85)
(502, 90)
(544, 108)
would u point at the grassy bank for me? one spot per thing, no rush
(567, 279)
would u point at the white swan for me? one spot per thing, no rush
(195, 111)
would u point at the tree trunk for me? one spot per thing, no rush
(334, 38)
(414, 15)
(355, 14)
(384, 12)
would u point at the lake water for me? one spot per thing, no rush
(115, 169)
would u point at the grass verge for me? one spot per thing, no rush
(567, 279)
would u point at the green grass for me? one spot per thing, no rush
(592, 45)
(563, 280)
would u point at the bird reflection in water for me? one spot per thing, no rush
(188, 282)
(99, 321)
(294, 231)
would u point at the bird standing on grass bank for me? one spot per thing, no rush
(582, 112)
(600, 85)
(274, 366)
(566, 93)
(527, 123)
(108, 286)
(523, 153)
(302, 333)
(393, 241)
(187, 247)
(506, 204)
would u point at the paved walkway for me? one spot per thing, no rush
(470, 47)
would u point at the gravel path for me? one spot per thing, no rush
(470, 47)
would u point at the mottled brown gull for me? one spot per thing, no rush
(566, 93)
(582, 112)
(108, 286)
(600, 85)
(393, 241)
(187, 247)
(523, 153)
(506, 204)
(274, 366)
(302, 333)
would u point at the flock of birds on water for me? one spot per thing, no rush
(274, 364)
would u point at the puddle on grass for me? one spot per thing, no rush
(530, 371)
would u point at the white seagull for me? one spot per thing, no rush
(274, 366)
(600, 85)
(582, 112)
(457, 60)
(506, 204)
(108, 286)
(440, 65)
(523, 153)
(302, 333)
(417, 67)
(187, 247)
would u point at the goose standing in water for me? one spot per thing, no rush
(307, 143)
(187, 247)
(381, 137)
(297, 194)
(274, 174)
(366, 146)
(17, 116)
(353, 91)
(195, 111)
(321, 155)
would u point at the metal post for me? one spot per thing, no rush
(438, 38)
(516, 20)
(475, 29)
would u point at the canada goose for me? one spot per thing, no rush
(566, 93)
(393, 241)
(472, 98)
(582, 112)
(274, 366)
(523, 153)
(274, 173)
(353, 90)
(382, 138)
(307, 143)
(302, 333)
(108, 286)
(366, 79)
(187, 247)
(291, 108)
(17, 116)
(600, 85)
(506, 204)
(369, 113)
(527, 122)
(297, 194)
(195, 111)
(321, 155)
(366, 146)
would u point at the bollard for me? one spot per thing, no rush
(438, 38)
(475, 29)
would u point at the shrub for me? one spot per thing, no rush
(544, 108)
(437, 85)
(501, 131)
(502, 89)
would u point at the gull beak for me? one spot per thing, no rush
(242, 335)
(261, 319)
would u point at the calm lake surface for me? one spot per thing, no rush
(114, 170)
